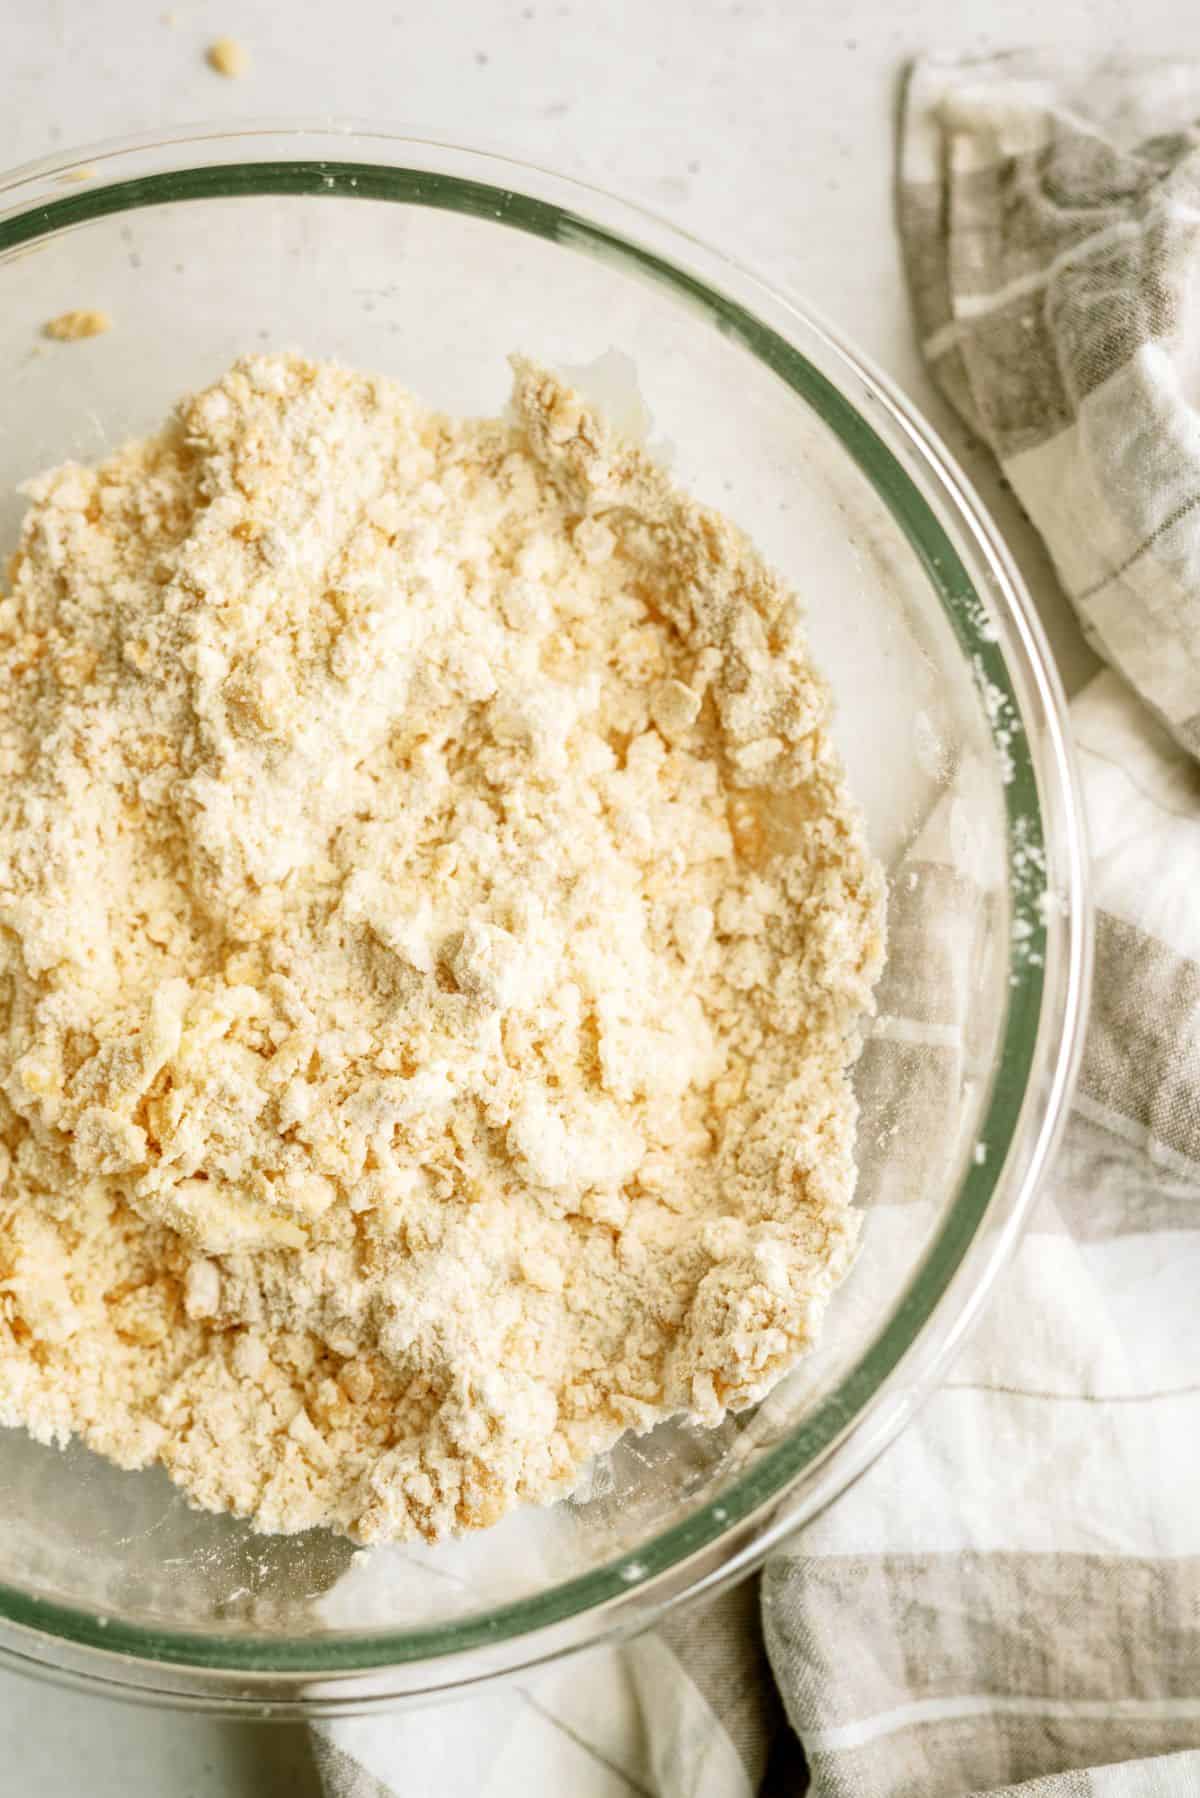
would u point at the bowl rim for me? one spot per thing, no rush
(997, 629)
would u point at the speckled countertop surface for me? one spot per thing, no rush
(765, 126)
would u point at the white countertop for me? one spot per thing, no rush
(765, 126)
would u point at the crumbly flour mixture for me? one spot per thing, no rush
(433, 934)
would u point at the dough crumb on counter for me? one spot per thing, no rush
(228, 57)
(74, 326)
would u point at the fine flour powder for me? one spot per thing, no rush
(434, 937)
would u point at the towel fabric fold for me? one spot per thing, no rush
(1010, 1599)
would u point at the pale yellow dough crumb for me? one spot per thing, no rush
(435, 932)
(73, 327)
(228, 57)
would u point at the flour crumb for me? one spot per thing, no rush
(228, 57)
(435, 939)
(73, 327)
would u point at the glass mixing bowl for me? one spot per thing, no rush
(431, 264)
